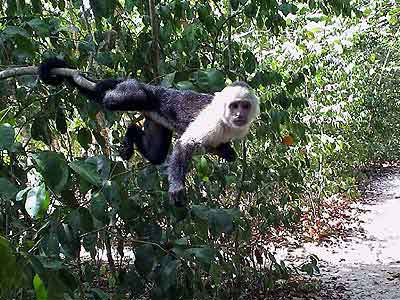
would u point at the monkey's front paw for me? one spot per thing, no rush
(178, 197)
(126, 151)
(230, 156)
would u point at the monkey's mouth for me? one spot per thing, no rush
(240, 122)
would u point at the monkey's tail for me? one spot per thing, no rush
(45, 74)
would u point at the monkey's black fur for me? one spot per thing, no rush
(169, 106)
(46, 67)
(153, 142)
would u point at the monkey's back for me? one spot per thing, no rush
(180, 108)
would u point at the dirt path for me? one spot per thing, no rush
(366, 266)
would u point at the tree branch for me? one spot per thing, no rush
(74, 74)
(155, 32)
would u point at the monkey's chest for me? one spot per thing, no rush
(223, 134)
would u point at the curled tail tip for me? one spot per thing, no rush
(45, 68)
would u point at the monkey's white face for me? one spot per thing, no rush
(238, 113)
(240, 106)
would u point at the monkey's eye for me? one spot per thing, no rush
(246, 105)
(234, 105)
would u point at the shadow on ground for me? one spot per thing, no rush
(365, 266)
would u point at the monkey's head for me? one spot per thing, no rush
(240, 105)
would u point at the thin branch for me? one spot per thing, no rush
(76, 75)
(155, 31)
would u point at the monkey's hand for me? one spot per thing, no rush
(226, 152)
(178, 197)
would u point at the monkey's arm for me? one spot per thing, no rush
(225, 151)
(177, 169)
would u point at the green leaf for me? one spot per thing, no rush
(130, 209)
(220, 221)
(103, 8)
(54, 169)
(21, 194)
(168, 80)
(40, 26)
(168, 273)
(210, 80)
(61, 122)
(37, 6)
(216, 80)
(112, 192)
(40, 130)
(7, 135)
(52, 263)
(184, 85)
(104, 58)
(200, 211)
(88, 171)
(130, 5)
(145, 257)
(250, 61)
(7, 189)
(37, 201)
(84, 137)
(11, 7)
(205, 255)
(61, 5)
(152, 232)
(9, 268)
(80, 221)
(13, 31)
(251, 9)
(234, 4)
(86, 220)
(99, 294)
(98, 207)
(69, 240)
(148, 179)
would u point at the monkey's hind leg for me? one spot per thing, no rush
(152, 142)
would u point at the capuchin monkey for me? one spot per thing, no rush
(202, 121)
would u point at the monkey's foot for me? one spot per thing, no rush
(126, 151)
(178, 197)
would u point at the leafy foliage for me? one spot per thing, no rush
(325, 72)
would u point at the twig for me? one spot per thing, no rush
(155, 31)
(239, 194)
(107, 241)
(95, 231)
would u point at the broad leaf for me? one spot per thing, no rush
(84, 137)
(37, 201)
(40, 130)
(88, 171)
(53, 168)
(7, 189)
(98, 207)
(7, 135)
(102, 8)
(204, 255)
(145, 257)
(40, 289)
(220, 221)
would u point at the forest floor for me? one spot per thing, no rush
(365, 262)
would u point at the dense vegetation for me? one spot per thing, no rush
(78, 223)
